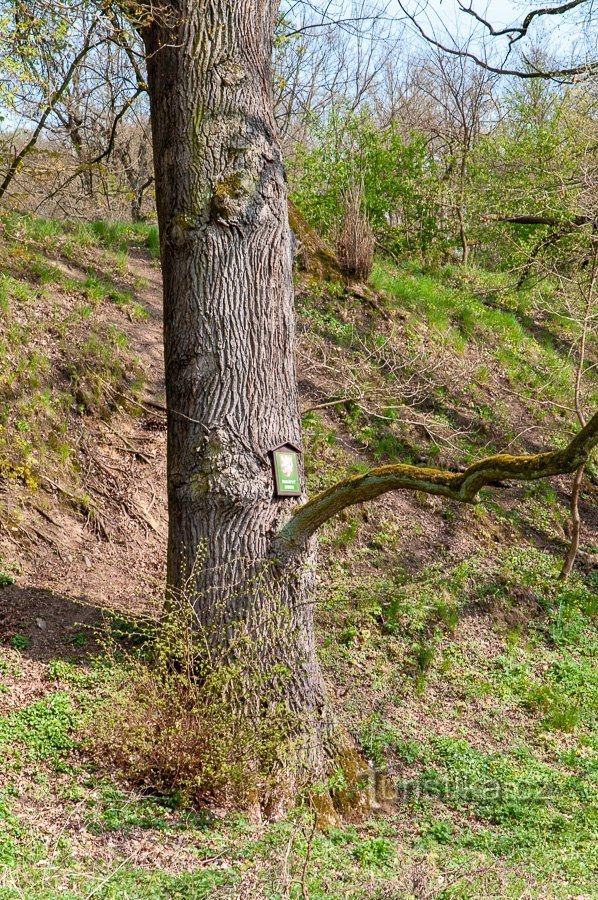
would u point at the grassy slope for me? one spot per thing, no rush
(453, 657)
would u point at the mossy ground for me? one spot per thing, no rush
(62, 356)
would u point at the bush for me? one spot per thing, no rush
(176, 720)
(355, 241)
(397, 174)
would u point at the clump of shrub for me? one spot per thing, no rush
(178, 720)
(355, 242)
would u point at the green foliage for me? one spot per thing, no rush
(19, 642)
(374, 852)
(379, 738)
(440, 832)
(113, 810)
(10, 831)
(532, 164)
(349, 148)
(44, 730)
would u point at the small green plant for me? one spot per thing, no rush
(424, 657)
(113, 810)
(374, 852)
(78, 638)
(19, 642)
(347, 534)
(441, 832)
(45, 729)
(379, 738)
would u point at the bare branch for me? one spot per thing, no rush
(584, 69)
(520, 31)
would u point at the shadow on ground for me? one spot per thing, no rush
(44, 625)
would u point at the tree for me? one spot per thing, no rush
(508, 39)
(42, 53)
(72, 84)
(246, 557)
(227, 254)
(463, 96)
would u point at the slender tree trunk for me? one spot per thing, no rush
(575, 524)
(581, 361)
(229, 333)
(461, 208)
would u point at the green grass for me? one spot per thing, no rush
(528, 806)
(456, 309)
(58, 357)
(119, 236)
(43, 731)
(522, 806)
(115, 236)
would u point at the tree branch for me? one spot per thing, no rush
(520, 31)
(585, 69)
(54, 99)
(543, 220)
(461, 486)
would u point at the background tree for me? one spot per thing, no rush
(463, 101)
(73, 82)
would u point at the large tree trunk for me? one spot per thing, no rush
(229, 347)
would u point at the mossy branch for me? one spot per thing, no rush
(461, 486)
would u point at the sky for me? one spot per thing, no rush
(561, 34)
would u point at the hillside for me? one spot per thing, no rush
(458, 663)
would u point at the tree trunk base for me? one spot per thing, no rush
(338, 788)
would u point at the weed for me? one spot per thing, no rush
(78, 638)
(439, 832)
(45, 729)
(348, 533)
(374, 852)
(379, 738)
(113, 810)
(19, 642)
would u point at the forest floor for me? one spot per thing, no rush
(458, 663)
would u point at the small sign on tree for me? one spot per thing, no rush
(285, 462)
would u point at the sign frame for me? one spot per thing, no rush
(286, 486)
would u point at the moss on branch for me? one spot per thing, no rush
(461, 486)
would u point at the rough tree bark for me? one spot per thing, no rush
(227, 254)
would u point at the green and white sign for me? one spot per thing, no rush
(286, 472)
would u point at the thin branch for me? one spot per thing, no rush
(584, 69)
(520, 31)
(542, 220)
(100, 156)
